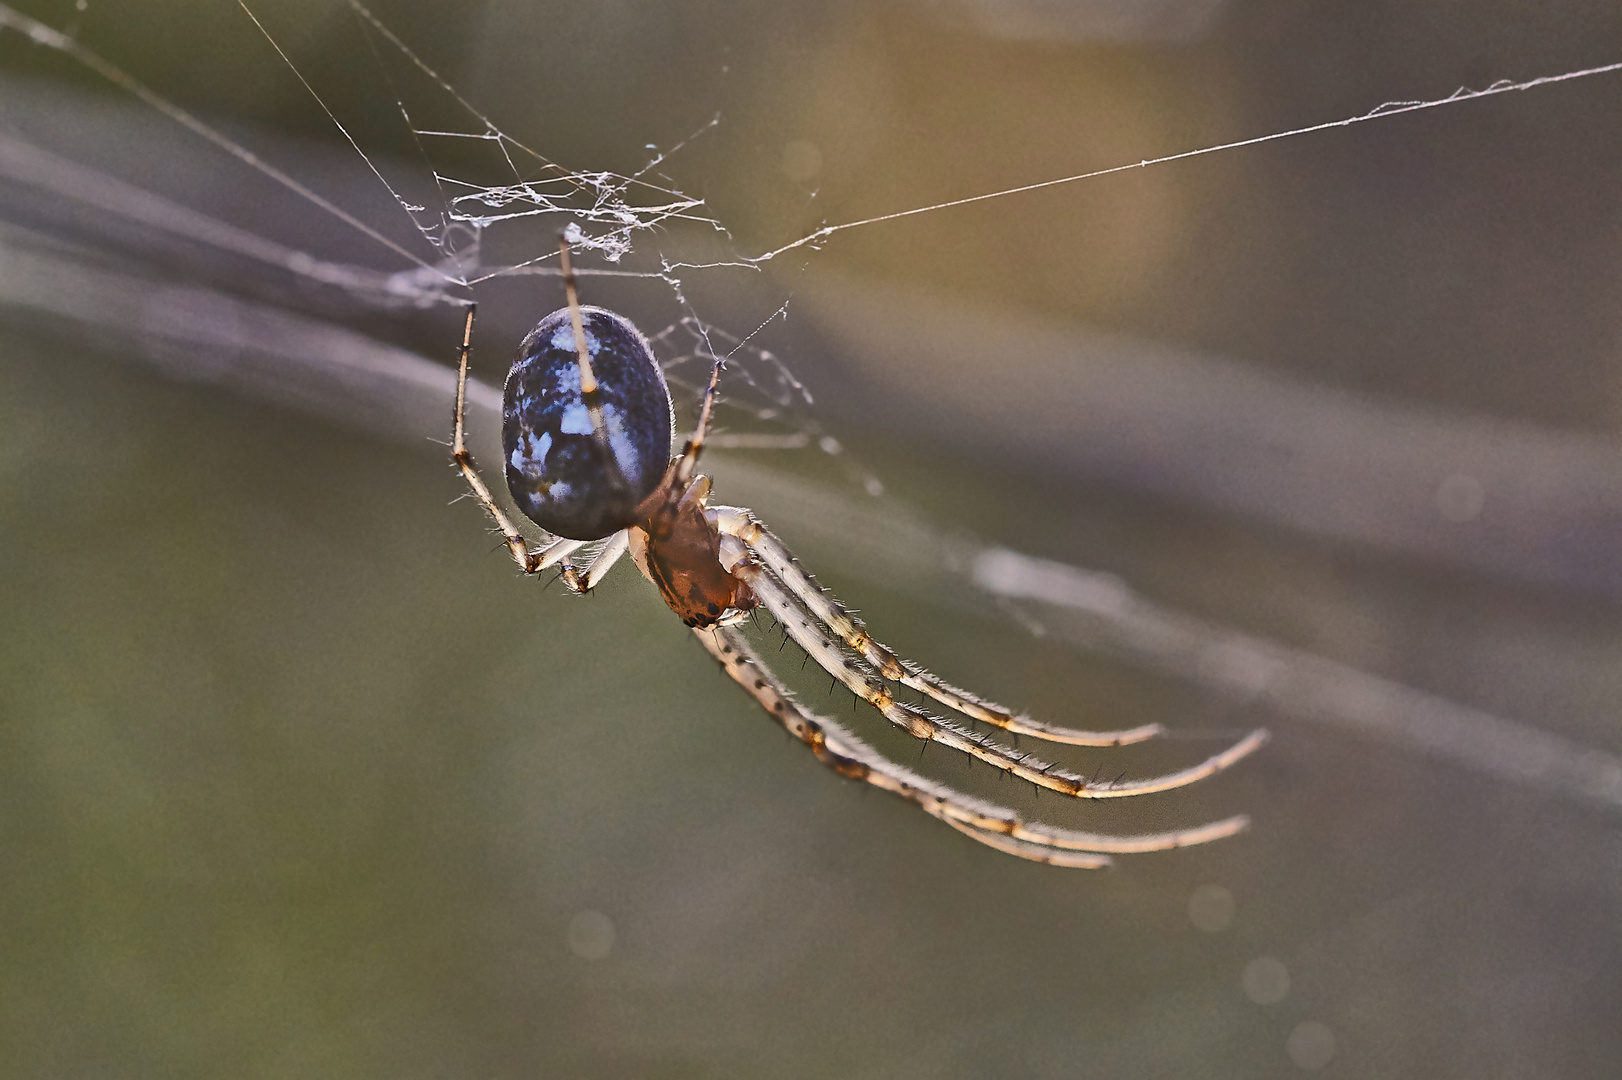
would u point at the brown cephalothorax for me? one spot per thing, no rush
(678, 547)
(587, 436)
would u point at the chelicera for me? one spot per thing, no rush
(587, 430)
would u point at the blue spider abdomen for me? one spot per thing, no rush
(562, 474)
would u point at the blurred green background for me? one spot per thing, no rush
(297, 777)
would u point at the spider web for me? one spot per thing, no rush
(484, 208)
(489, 214)
(602, 212)
(487, 206)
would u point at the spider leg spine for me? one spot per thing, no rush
(1032, 852)
(771, 592)
(914, 721)
(996, 826)
(845, 754)
(853, 632)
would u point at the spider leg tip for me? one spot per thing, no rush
(1250, 744)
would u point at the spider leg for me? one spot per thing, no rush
(782, 563)
(516, 544)
(995, 826)
(681, 470)
(1037, 842)
(557, 551)
(815, 640)
(530, 562)
(607, 557)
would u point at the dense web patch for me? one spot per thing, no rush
(598, 211)
(607, 209)
(501, 196)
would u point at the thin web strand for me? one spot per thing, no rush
(495, 131)
(416, 139)
(41, 34)
(440, 81)
(410, 210)
(1390, 108)
(44, 35)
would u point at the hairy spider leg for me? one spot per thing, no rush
(685, 464)
(736, 521)
(528, 561)
(995, 826)
(609, 554)
(819, 641)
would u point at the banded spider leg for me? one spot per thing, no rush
(995, 826)
(839, 643)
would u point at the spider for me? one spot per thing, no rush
(587, 426)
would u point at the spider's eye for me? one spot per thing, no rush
(559, 472)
